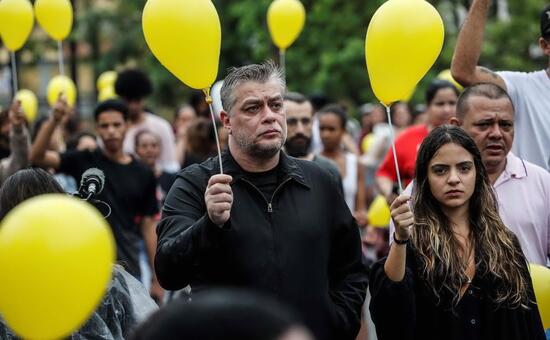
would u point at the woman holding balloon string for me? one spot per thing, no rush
(441, 98)
(454, 270)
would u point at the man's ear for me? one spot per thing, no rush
(455, 121)
(544, 45)
(224, 117)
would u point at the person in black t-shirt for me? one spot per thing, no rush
(129, 185)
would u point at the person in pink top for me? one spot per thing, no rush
(133, 86)
(522, 189)
(486, 113)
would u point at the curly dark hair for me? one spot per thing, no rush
(133, 84)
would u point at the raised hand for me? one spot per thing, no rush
(16, 115)
(60, 110)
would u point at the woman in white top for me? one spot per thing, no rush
(332, 126)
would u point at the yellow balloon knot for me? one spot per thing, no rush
(207, 98)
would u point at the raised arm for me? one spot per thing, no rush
(464, 66)
(39, 154)
(19, 142)
(392, 283)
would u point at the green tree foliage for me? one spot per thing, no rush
(327, 58)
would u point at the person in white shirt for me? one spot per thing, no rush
(530, 92)
(133, 86)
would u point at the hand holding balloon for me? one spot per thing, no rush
(402, 216)
(61, 85)
(17, 116)
(29, 103)
(60, 110)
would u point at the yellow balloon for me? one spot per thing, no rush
(541, 283)
(106, 79)
(29, 103)
(403, 41)
(185, 36)
(60, 84)
(285, 19)
(56, 256)
(17, 20)
(379, 212)
(446, 75)
(55, 17)
(106, 93)
(366, 142)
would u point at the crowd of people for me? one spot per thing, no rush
(272, 238)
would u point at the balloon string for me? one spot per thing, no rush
(60, 57)
(209, 102)
(14, 73)
(282, 62)
(392, 136)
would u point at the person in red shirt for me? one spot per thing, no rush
(441, 98)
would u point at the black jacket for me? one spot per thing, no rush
(302, 247)
(409, 310)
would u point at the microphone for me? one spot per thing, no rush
(92, 182)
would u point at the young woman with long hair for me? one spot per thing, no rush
(454, 270)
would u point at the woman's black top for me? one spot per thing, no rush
(410, 310)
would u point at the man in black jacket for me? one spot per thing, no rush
(270, 223)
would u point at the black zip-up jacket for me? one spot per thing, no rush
(302, 245)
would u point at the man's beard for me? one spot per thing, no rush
(298, 146)
(257, 150)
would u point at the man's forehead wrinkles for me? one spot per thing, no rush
(257, 99)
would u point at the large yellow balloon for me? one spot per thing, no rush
(285, 19)
(56, 256)
(379, 212)
(106, 79)
(17, 20)
(29, 103)
(541, 283)
(55, 17)
(403, 41)
(185, 36)
(60, 84)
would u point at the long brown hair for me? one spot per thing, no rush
(440, 252)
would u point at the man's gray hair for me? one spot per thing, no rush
(260, 73)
